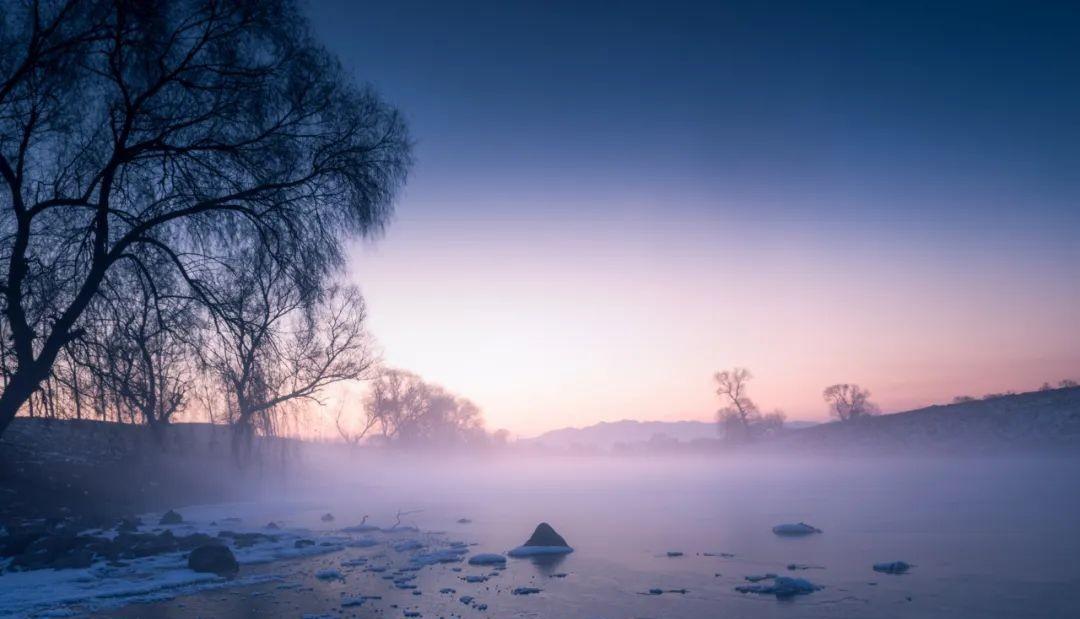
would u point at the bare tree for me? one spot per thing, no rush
(137, 348)
(183, 129)
(409, 411)
(1068, 383)
(275, 341)
(848, 401)
(740, 413)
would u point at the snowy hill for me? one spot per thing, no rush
(1038, 421)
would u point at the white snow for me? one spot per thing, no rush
(799, 528)
(487, 558)
(44, 593)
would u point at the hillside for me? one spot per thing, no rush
(606, 435)
(1038, 421)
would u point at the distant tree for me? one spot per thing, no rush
(409, 411)
(181, 129)
(772, 423)
(1046, 387)
(962, 399)
(740, 420)
(739, 413)
(1068, 383)
(847, 401)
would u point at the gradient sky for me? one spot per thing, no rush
(612, 201)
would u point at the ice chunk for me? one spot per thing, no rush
(798, 528)
(487, 558)
(781, 587)
(329, 574)
(892, 567)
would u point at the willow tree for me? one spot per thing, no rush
(177, 129)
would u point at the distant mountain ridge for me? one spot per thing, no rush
(607, 434)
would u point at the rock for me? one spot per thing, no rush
(487, 559)
(674, 553)
(273, 526)
(171, 517)
(893, 567)
(525, 590)
(464, 521)
(799, 528)
(213, 558)
(303, 543)
(781, 587)
(327, 517)
(544, 535)
(544, 541)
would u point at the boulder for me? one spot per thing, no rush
(215, 559)
(544, 535)
(327, 517)
(544, 541)
(171, 517)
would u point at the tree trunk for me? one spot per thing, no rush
(17, 393)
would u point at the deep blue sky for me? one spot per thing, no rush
(934, 147)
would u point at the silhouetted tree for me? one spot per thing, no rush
(137, 347)
(847, 401)
(274, 340)
(181, 129)
(1068, 383)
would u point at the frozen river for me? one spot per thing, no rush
(987, 538)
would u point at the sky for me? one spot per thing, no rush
(611, 201)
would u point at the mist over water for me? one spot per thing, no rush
(988, 537)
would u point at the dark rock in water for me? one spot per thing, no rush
(171, 517)
(464, 521)
(799, 528)
(213, 558)
(893, 567)
(327, 517)
(674, 553)
(301, 543)
(544, 535)
(273, 525)
(525, 590)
